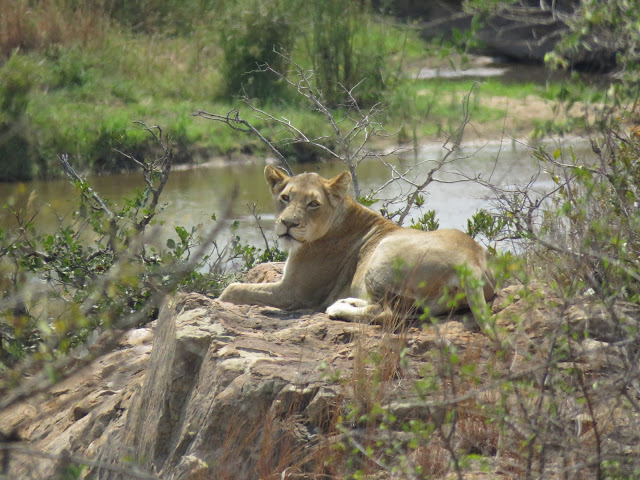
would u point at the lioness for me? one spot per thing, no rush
(348, 259)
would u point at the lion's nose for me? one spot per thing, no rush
(290, 223)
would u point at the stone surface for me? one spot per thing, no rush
(214, 390)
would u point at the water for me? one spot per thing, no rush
(193, 195)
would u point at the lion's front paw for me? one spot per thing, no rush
(232, 293)
(347, 308)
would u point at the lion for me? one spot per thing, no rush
(355, 264)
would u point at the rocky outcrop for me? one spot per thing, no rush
(214, 390)
(216, 372)
(74, 416)
(525, 33)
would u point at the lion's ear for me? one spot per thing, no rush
(275, 178)
(339, 184)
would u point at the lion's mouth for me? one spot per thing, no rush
(287, 236)
(288, 240)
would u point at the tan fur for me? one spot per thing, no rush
(348, 259)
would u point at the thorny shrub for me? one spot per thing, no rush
(102, 266)
(587, 230)
(558, 395)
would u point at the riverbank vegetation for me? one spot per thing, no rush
(75, 77)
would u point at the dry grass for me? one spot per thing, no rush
(39, 25)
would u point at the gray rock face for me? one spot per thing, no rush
(515, 36)
(75, 416)
(216, 372)
(520, 35)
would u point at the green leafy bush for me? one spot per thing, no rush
(17, 78)
(103, 268)
(251, 35)
(343, 43)
(426, 222)
(347, 49)
(594, 231)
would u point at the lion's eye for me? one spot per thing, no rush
(314, 204)
(284, 198)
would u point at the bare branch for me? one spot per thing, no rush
(20, 449)
(95, 200)
(233, 120)
(149, 169)
(253, 208)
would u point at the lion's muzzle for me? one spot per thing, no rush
(284, 230)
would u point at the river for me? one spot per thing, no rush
(193, 195)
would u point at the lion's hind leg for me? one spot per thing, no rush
(391, 315)
(355, 310)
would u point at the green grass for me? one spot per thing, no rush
(436, 105)
(83, 100)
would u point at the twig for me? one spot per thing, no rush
(91, 195)
(232, 118)
(149, 168)
(34, 452)
(253, 209)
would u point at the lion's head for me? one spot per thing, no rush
(306, 204)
